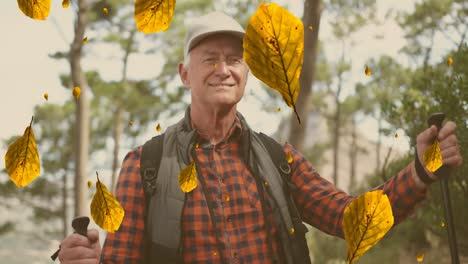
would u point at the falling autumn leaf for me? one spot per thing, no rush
(310, 28)
(289, 158)
(35, 9)
(46, 96)
(278, 110)
(158, 128)
(65, 3)
(442, 224)
(449, 61)
(85, 40)
(433, 157)
(396, 135)
(105, 11)
(367, 71)
(106, 211)
(130, 123)
(273, 49)
(366, 220)
(22, 159)
(90, 184)
(420, 257)
(76, 92)
(153, 15)
(188, 178)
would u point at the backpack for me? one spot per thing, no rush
(149, 166)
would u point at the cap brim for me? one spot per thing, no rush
(195, 41)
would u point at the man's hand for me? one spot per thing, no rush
(450, 151)
(78, 249)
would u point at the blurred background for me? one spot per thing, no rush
(358, 126)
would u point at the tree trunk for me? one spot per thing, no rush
(64, 204)
(117, 134)
(82, 110)
(353, 153)
(311, 17)
(119, 122)
(336, 141)
(379, 141)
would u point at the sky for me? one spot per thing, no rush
(26, 71)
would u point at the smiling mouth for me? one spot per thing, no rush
(221, 84)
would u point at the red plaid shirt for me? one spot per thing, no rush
(237, 208)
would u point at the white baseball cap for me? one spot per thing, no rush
(215, 22)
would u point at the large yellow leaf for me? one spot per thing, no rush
(188, 178)
(106, 211)
(273, 49)
(153, 15)
(366, 220)
(35, 9)
(432, 157)
(22, 159)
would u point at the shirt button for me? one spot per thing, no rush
(229, 219)
(215, 253)
(227, 198)
(234, 254)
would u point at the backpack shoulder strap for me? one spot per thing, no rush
(149, 165)
(279, 158)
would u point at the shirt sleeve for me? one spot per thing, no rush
(322, 205)
(126, 244)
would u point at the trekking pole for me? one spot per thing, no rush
(443, 174)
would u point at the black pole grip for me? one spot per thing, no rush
(80, 225)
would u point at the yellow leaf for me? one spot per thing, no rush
(442, 224)
(449, 61)
(85, 41)
(76, 92)
(396, 135)
(106, 211)
(46, 96)
(432, 157)
(420, 257)
(130, 123)
(273, 50)
(368, 71)
(35, 9)
(65, 3)
(153, 15)
(158, 128)
(90, 184)
(22, 159)
(105, 11)
(278, 110)
(366, 220)
(310, 28)
(289, 158)
(188, 178)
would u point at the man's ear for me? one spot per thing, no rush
(183, 75)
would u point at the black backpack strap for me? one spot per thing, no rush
(149, 165)
(279, 158)
(150, 160)
(300, 249)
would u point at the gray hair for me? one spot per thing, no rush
(186, 60)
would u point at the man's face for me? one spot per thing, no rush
(216, 72)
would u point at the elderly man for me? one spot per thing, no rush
(236, 213)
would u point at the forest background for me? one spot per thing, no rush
(130, 85)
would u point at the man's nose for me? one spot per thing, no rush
(221, 68)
